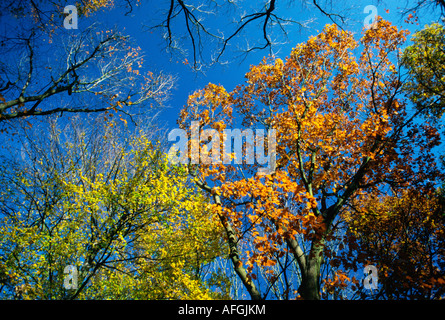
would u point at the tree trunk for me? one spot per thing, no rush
(233, 247)
(310, 284)
(310, 280)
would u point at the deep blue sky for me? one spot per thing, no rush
(232, 74)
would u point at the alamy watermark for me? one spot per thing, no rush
(70, 21)
(70, 280)
(370, 19)
(371, 280)
(232, 139)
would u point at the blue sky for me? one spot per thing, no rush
(156, 59)
(231, 74)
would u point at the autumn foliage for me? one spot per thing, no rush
(405, 234)
(345, 134)
(352, 180)
(110, 205)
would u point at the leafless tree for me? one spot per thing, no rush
(205, 30)
(46, 71)
(194, 18)
(436, 6)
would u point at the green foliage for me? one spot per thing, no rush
(425, 60)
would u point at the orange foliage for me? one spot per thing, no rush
(343, 132)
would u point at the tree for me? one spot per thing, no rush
(404, 235)
(187, 26)
(47, 69)
(425, 60)
(423, 5)
(343, 132)
(107, 203)
(193, 30)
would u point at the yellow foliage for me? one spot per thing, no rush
(131, 223)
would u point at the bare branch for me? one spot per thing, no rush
(196, 32)
(103, 72)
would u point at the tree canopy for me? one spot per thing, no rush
(319, 175)
(344, 134)
(110, 205)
